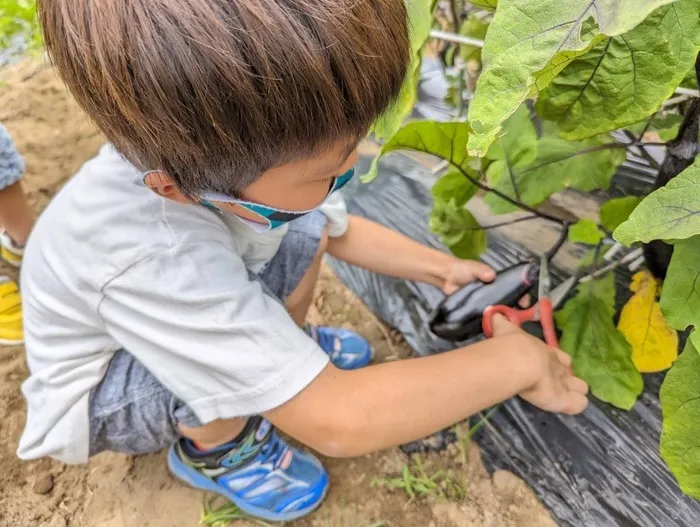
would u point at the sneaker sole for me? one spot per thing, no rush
(198, 481)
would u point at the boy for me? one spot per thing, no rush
(154, 282)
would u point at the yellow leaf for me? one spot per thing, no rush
(654, 343)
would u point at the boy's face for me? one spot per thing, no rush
(297, 186)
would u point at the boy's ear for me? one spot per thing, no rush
(160, 183)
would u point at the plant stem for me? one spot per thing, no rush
(511, 176)
(504, 197)
(502, 224)
(645, 153)
(477, 182)
(600, 271)
(606, 146)
(455, 15)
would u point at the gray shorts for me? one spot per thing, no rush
(132, 412)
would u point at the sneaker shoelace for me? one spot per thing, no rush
(275, 449)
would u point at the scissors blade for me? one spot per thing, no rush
(560, 292)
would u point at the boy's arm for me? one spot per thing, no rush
(349, 413)
(376, 248)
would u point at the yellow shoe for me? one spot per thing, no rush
(10, 251)
(11, 332)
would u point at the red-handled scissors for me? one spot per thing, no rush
(542, 311)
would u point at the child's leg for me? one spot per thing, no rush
(292, 275)
(16, 219)
(299, 300)
(247, 461)
(214, 434)
(242, 459)
(15, 215)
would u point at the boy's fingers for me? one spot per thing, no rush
(483, 272)
(525, 301)
(563, 357)
(501, 325)
(575, 404)
(574, 384)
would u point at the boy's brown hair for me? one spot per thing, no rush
(215, 92)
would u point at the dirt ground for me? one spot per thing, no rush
(120, 491)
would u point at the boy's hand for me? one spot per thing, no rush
(556, 389)
(459, 273)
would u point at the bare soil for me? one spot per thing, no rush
(115, 490)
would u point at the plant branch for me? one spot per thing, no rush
(486, 188)
(455, 16)
(646, 126)
(507, 198)
(645, 153)
(501, 224)
(606, 146)
(511, 176)
(600, 271)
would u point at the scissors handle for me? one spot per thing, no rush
(543, 308)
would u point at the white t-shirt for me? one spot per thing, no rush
(111, 265)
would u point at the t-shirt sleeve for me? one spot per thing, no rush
(192, 315)
(336, 212)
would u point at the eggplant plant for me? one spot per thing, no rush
(564, 89)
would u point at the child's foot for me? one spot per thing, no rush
(11, 333)
(347, 350)
(260, 473)
(10, 251)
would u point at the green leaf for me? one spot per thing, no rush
(518, 144)
(665, 125)
(458, 229)
(613, 212)
(454, 186)
(585, 231)
(680, 403)
(601, 355)
(559, 164)
(474, 27)
(669, 213)
(625, 78)
(420, 16)
(486, 4)
(516, 149)
(444, 140)
(680, 297)
(529, 43)
(690, 80)
(18, 18)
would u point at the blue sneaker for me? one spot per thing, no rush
(260, 473)
(347, 350)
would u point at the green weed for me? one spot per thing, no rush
(221, 516)
(416, 482)
(464, 438)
